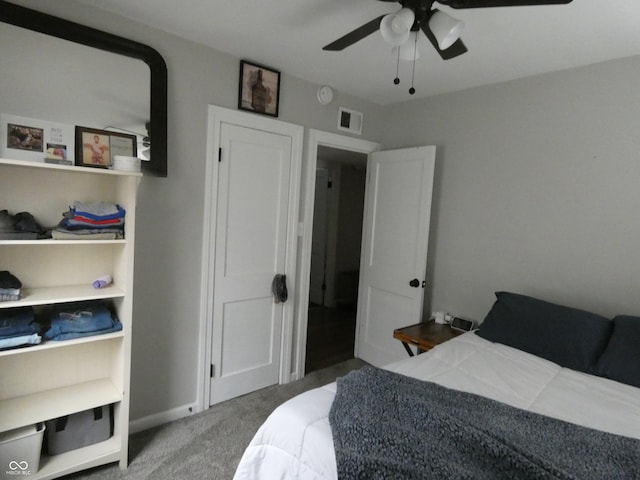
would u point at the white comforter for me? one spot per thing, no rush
(295, 442)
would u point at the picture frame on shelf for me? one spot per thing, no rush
(36, 140)
(259, 89)
(97, 148)
(24, 137)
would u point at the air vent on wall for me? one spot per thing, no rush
(350, 121)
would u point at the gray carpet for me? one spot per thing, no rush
(209, 444)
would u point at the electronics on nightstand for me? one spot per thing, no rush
(442, 318)
(462, 324)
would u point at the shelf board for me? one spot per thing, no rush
(70, 293)
(49, 404)
(50, 344)
(79, 459)
(28, 243)
(68, 168)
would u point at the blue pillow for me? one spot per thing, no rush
(621, 359)
(567, 336)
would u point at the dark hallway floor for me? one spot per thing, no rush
(330, 336)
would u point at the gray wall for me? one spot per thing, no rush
(169, 235)
(536, 191)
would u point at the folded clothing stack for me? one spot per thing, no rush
(94, 221)
(80, 319)
(18, 328)
(21, 226)
(10, 287)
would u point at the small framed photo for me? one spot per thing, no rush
(23, 137)
(259, 89)
(35, 140)
(96, 148)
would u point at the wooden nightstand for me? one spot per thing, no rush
(424, 335)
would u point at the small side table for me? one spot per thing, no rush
(424, 335)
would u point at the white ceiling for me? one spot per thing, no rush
(504, 43)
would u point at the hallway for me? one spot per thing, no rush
(330, 336)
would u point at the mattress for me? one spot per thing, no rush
(295, 442)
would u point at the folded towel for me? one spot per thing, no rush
(7, 280)
(98, 210)
(82, 234)
(9, 291)
(70, 220)
(9, 297)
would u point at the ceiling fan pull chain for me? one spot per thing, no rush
(396, 80)
(413, 69)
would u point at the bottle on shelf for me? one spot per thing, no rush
(259, 94)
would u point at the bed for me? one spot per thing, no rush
(573, 372)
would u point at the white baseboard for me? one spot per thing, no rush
(144, 423)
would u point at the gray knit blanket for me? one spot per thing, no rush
(389, 426)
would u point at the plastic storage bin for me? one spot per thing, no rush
(20, 450)
(78, 430)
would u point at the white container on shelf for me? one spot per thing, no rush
(128, 164)
(20, 450)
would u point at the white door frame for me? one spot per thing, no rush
(215, 116)
(314, 139)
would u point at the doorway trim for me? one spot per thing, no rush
(314, 139)
(215, 116)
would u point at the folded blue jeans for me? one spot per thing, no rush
(79, 317)
(19, 341)
(117, 326)
(18, 321)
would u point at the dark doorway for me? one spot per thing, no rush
(336, 251)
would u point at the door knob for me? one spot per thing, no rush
(415, 283)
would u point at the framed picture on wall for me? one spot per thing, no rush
(96, 148)
(259, 89)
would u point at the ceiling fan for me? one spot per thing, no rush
(442, 30)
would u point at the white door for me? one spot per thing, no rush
(254, 237)
(394, 249)
(319, 239)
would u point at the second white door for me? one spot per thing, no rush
(394, 249)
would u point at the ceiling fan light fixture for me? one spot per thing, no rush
(445, 28)
(408, 51)
(395, 27)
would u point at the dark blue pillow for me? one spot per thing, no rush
(621, 359)
(567, 336)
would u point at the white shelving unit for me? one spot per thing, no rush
(54, 379)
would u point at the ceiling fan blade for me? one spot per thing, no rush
(499, 3)
(355, 36)
(458, 48)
